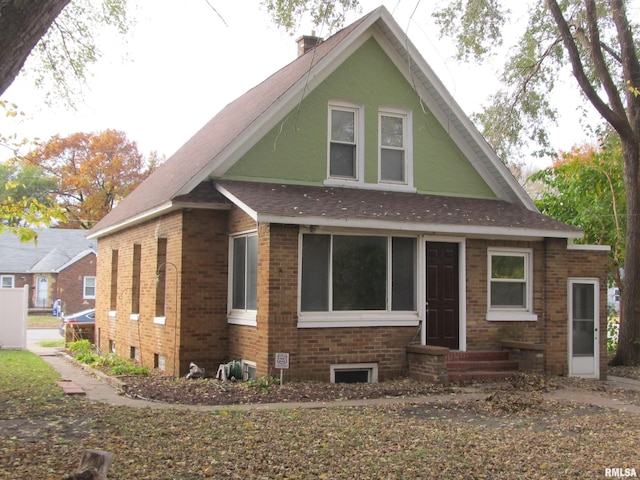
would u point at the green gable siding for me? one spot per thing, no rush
(295, 151)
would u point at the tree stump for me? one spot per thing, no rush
(93, 466)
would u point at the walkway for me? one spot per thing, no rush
(100, 388)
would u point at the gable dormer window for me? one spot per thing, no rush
(394, 142)
(345, 143)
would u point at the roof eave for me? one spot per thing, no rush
(155, 212)
(427, 228)
(75, 259)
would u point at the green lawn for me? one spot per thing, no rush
(25, 377)
(42, 321)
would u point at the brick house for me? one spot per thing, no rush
(60, 264)
(345, 211)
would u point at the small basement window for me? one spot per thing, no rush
(159, 361)
(354, 373)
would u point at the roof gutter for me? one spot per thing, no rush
(150, 214)
(433, 228)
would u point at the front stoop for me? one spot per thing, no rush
(478, 366)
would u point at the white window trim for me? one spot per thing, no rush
(13, 281)
(358, 318)
(84, 288)
(372, 368)
(245, 368)
(359, 140)
(506, 314)
(407, 136)
(236, 316)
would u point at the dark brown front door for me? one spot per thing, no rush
(443, 325)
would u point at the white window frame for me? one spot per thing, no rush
(84, 288)
(359, 318)
(358, 112)
(370, 368)
(512, 313)
(12, 279)
(234, 315)
(248, 365)
(407, 138)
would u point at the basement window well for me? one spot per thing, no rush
(354, 373)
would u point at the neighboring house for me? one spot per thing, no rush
(331, 212)
(61, 264)
(613, 299)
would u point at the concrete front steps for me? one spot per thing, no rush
(477, 366)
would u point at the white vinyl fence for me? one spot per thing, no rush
(14, 305)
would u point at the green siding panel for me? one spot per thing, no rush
(295, 151)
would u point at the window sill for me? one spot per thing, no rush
(357, 319)
(112, 314)
(134, 316)
(511, 316)
(343, 182)
(395, 187)
(243, 318)
(160, 320)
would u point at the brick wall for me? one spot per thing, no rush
(585, 263)
(311, 351)
(195, 293)
(196, 327)
(487, 335)
(553, 265)
(204, 335)
(70, 285)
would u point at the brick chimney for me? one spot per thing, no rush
(307, 43)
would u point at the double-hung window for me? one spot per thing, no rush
(510, 284)
(7, 281)
(345, 274)
(244, 277)
(344, 142)
(89, 288)
(394, 135)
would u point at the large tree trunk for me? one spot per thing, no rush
(629, 335)
(22, 25)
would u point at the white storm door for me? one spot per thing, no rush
(584, 354)
(42, 292)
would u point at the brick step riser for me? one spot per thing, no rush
(477, 356)
(485, 366)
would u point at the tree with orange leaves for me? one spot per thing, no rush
(585, 187)
(94, 171)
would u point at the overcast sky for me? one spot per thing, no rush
(181, 64)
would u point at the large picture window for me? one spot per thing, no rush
(510, 281)
(244, 275)
(343, 273)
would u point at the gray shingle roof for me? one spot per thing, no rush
(334, 206)
(55, 248)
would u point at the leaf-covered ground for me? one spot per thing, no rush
(510, 431)
(449, 440)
